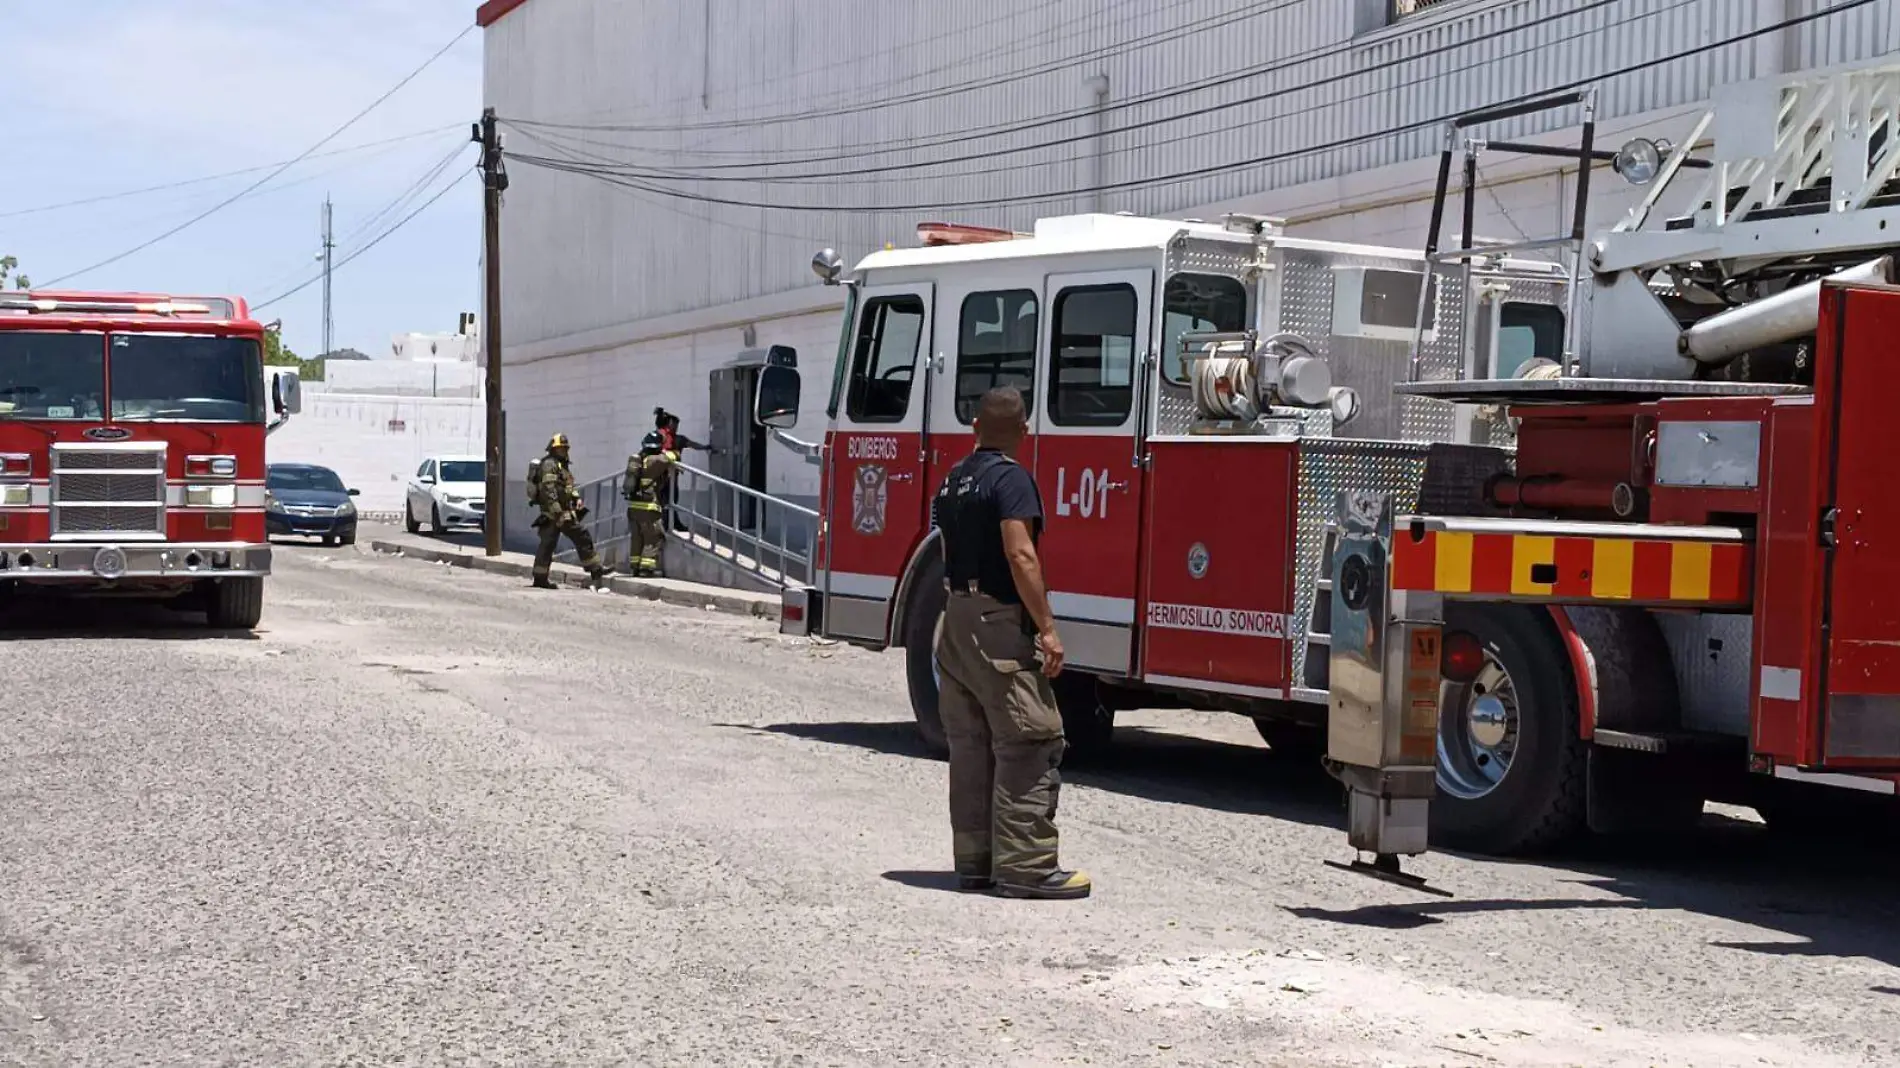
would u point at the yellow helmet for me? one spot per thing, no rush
(558, 441)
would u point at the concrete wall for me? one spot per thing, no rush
(424, 378)
(354, 436)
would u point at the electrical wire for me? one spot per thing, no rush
(1160, 181)
(187, 182)
(936, 166)
(221, 205)
(402, 199)
(379, 239)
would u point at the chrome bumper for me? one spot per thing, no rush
(110, 562)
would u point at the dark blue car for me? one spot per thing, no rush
(304, 500)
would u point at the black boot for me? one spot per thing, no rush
(1056, 886)
(541, 583)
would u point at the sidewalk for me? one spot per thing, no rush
(521, 565)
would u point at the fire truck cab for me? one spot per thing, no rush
(1199, 393)
(132, 432)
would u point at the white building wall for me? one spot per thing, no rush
(359, 438)
(617, 298)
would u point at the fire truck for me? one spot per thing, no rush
(132, 432)
(1572, 454)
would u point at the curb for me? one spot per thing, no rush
(570, 576)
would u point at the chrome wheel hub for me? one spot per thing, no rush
(1478, 731)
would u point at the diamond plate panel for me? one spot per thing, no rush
(1712, 654)
(1327, 466)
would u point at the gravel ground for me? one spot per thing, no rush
(431, 816)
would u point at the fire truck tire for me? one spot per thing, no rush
(1541, 797)
(921, 610)
(1088, 723)
(235, 603)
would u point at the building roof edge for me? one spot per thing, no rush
(492, 11)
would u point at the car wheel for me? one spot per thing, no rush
(409, 517)
(435, 520)
(329, 541)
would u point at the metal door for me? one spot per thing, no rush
(1857, 688)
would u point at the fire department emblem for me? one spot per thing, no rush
(869, 494)
(1197, 560)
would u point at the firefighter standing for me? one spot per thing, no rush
(666, 437)
(646, 476)
(561, 513)
(999, 710)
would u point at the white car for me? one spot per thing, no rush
(448, 493)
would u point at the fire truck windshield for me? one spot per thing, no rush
(63, 375)
(193, 379)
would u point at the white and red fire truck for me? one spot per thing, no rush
(1202, 396)
(132, 432)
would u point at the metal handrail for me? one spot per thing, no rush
(755, 532)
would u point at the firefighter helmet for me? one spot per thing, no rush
(558, 441)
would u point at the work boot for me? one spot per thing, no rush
(1056, 886)
(541, 582)
(974, 874)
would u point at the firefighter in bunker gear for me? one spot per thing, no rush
(561, 513)
(997, 649)
(646, 476)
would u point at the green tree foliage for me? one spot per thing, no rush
(10, 269)
(277, 354)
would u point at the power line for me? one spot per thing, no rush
(1202, 172)
(938, 163)
(380, 238)
(184, 183)
(416, 187)
(221, 205)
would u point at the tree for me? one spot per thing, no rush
(277, 354)
(11, 267)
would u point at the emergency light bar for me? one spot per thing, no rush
(47, 305)
(933, 234)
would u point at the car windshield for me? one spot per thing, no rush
(462, 471)
(303, 478)
(52, 375)
(175, 376)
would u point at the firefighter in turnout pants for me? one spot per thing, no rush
(999, 710)
(561, 513)
(645, 478)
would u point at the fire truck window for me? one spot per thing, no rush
(1092, 371)
(1527, 332)
(884, 359)
(996, 346)
(1194, 304)
(173, 376)
(52, 375)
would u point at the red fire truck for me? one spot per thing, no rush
(1680, 591)
(1207, 397)
(132, 434)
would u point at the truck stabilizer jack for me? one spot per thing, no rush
(1382, 714)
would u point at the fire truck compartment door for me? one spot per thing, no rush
(1856, 690)
(875, 497)
(1088, 442)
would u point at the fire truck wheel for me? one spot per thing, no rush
(1087, 722)
(920, 660)
(234, 603)
(1511, 769)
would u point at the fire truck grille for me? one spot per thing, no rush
(117, 490)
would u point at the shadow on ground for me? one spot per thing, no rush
(1808, 898)
(27, 616)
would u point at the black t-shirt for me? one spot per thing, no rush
(981, 492)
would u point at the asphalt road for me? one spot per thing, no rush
(431, 816)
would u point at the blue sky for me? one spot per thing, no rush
(107, 96)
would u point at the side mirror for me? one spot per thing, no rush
(354, 493)
(776, 403)
(427, 480)
(827, 265)
(286, 392)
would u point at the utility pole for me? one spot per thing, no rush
(494, 181)
(329, 248)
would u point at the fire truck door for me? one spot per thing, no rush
(1088, 458)
(1858, 670)
(874, 496)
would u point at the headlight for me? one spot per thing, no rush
(346, 508)
(452, 499)
(272, 504)
(211, 496)
(16, 496)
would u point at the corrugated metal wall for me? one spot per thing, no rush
(1225, 98)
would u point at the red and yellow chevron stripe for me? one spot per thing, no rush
(1574, 570)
